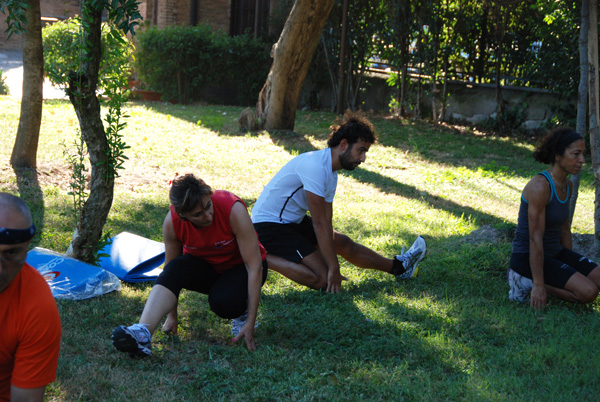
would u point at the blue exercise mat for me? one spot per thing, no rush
(69, 278)
(133, 258)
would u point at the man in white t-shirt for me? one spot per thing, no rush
(305, 248)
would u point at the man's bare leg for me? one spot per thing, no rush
(311, 271)
(359, 255)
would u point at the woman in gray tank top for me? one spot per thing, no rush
(542, 260)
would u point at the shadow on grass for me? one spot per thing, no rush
(453, 146)
(344, 327)
(391, 186)
(139, 217)
(31, 192)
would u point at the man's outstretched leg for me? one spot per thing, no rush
(403, 266)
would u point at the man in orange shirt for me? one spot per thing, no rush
(31, 330)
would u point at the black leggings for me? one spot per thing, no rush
(227, 292)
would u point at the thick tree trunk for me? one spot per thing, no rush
(82, 93)
(292, 54)
(24, 152)
(594, 113)
(582, 92)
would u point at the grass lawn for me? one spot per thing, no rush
(449, 335)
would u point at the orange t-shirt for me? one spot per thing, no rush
(30, 333)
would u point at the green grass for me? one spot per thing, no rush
(449, 335)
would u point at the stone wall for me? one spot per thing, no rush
(468, 103)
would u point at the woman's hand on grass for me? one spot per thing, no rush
(170, 325)
(247, 332)
(539, 298)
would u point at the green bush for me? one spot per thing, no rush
(3, 84)
(248, 63)
(182, 61)
(63, 53)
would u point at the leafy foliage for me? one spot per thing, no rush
(63, 43)
(181, 61)
(78, 185)
(3, 84)
(425, 43)
(15, 15)
(115, 125)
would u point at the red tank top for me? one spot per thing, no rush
(215, 243)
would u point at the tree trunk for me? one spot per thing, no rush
(582, 92)
(341, 98)
(594, 113)
(82, 93)
(292, 54)
(24, 152)
(501, 111)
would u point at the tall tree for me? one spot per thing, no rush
(24, 17)
(100, 145)
(292, 54)
(582, 94)
(594, 112)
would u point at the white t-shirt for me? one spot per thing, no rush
(283, 199)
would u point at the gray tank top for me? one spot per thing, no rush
(557, 213)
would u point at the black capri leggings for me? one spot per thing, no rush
(227, 292)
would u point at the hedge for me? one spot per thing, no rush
(181, 62)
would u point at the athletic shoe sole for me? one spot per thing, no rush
(125, 342)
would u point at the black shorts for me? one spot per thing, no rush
(227, 291)
(558, 269)
(292, 241)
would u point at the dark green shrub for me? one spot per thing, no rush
(177, 61)
(248, 63)
(182, 61)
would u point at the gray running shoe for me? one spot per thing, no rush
(134, 340)
(520, 286)
(411, 259)
(238, 323)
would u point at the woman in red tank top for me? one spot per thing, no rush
(211, 247)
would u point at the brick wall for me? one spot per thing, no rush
(177, 12)
(61, 9)
(216, 13)
(170, 12)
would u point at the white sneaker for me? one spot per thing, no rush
(411, 259)
(238, 323)
(520, 286)
(135, 340)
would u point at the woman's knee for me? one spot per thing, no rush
(587, 293)
(584, 290)
(226, 306)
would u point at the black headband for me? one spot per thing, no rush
(16, 236)
(565, 140)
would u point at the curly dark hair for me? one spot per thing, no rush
(555, 143)
(354, 127)
(187, 191)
